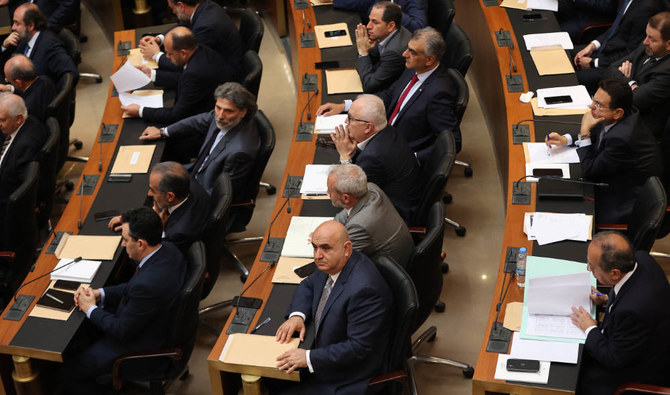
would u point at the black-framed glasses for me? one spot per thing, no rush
(350, 118)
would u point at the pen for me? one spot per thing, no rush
(261, 324)
(546, 139)
(597, 293)
(54, 298)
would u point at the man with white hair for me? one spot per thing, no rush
(370, 142)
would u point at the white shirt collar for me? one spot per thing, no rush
(31, 43)
(146, 258)
(176, 206)
(422, 77)
(617, 286)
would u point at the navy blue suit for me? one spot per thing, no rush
(352, 337)
(186, 224)
(38, 96)
(631, 344)
(427, 113)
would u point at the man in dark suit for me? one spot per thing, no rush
(573, 15)
(59, 13)
(348, 305)
(211, 26)
(202, 71)
(36, 91)
(414, 12)
(631, 344)
(619, 40)
(133, 316)
(373, 224)
(647, 72)
(615, 148)
(22, 138)
(370, 142)
(182, 205)
(380, 46)
(420, 104)
(31, 38)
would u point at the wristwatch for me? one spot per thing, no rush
(162, 132)
(584, 136)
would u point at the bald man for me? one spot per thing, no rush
(36, 91)
(348, 303)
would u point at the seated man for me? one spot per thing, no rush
(373, 224)
(182, 205)
(574, 15)
(348, 305)
(370, 142)
(380, 46)
(59, 13)
(36, 91)
(647, 71)
(615, 148)
(211, 26)
(420, 104)
(133, 316)
(631, 344)
(202, 71)
(414, 15)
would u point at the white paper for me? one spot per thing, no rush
(128, 78)
(540, 153)
(82, 271)
(315, 180)
(556, 295)
(559, 326)
(547, 39)
(544, 350)
(297, 242)
(541, 377)
(550, 5)
(154, 101)
(327, 124)
(578, 93)
(549, 228)
(565, 168)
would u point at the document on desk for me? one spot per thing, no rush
(518, 4)
(551, 60)
(87, 247)
(81, 272)
(554, 327)
(128, 78)
(145, 98)
(579, 97)
(254, 350)
(343, 81)
(553, 112)
(540, 153)
(547, 228)
(297, 243)
(541, 377)
(317, 3)
(338, 35)
(326, 124)
(546, 39)
(315, 180)
(550, 5)
(543, 350)
(136, 59)
(51, 314)
(284, 273)
(133, 159)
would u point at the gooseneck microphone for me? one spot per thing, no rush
(78, 259)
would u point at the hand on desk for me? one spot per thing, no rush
(150, 39)
(289, 327)
(345, 145)
(292, 360)
(582, 318)
(330, 109)
(85, 297)
(115, 223)
(555, 139)
(363, 42)
(132, 110)
(151, 133)
(149, 46)
(11, 40)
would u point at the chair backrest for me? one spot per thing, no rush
(647, 215)
(425, 264)
(252, 70)
(215, 231)
(462, 93)
(59, 108)
(405, 308)
(441, 15)
(251, 26)
(268, 139)
(459, 51)
(71, 44)
(49, 171)
(434, 175)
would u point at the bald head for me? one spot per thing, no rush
(370, 108)
(332, 247)
(13, 113)
(27, 20)
(20, 72)
(180, 44)
(614, 250)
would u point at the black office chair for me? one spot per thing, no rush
(73, 48)
(18, 235)
(251, 26)
(252, 70)
(161, 367)
(461, 104)
(441, 15)
(49, 170)
(459, 51)
(59, 109)
(425, 270)
(638, 388)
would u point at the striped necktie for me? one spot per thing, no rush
(322, 301)
(5, 144)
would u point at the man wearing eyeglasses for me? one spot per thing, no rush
(614, 148)
(370, 142)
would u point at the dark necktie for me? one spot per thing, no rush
(322, 302)
(205, 153)
(611, 296)
(5, 144)
(402, 97)
(25, 51)
(613, 28)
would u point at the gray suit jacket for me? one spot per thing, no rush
(376, 229)
(379, 72)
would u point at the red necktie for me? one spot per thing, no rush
(401, 99)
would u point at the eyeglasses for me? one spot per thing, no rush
(350, 118)
(598, 106)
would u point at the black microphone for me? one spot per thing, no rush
(511, 59)
(81, 201)
(45, 274)
(305, 21)
(559, 178)
(100, 143)
(306, 107)
(288, 209)
(237, 299)
(272, 223)
(503, 293)
(516, 125)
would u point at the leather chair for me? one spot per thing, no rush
(49, 171)
(215, 231)
(18, 236)
(161, 367)
(441, 15)
(637, 388)
(461, 104)
(73, 48)
(251, 26)
(646, 218)
(459, 51)
(59, 109)
(252, 70)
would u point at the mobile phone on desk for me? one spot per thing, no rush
(67, 285)
(120, 177)
(335, 33)
(558, 99)
(523, 365)
(103, 215)
(305, 270)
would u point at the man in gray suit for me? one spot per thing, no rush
(380, 46)
(373, 224)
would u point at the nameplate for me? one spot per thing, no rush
(514, 83)
(520, 134)
(307, 40)
(305, 131)
(88, 184)
(108, 133)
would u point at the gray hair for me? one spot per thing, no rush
(15, 105)
(239, 96)
(373, 110)
(350, 179)
(174, 178)
(435, 45)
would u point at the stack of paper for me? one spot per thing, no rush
(129, 78)
(315, 180)
(579, 97)
(541, 377)
(297, 243)
(550, 5)
(548, 39)
(343, 81)
(327, 124)
(544, 350)
(254, 350)
(549, 228)
(540, 153)
(81, 272)
(87, 247)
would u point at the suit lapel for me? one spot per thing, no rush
(416, 95)
(338, 288)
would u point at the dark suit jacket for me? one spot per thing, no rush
(631, 344)
(48, 56)
(186, 224)
(389, 162)
(38, 96)
(353, 332)
(428, 112)
(195, 87)
(652, 96)
(414, 12)
(136, 315)
(626, 157)
(378, 72)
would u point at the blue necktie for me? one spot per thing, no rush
(613, 28)
(25, 51)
